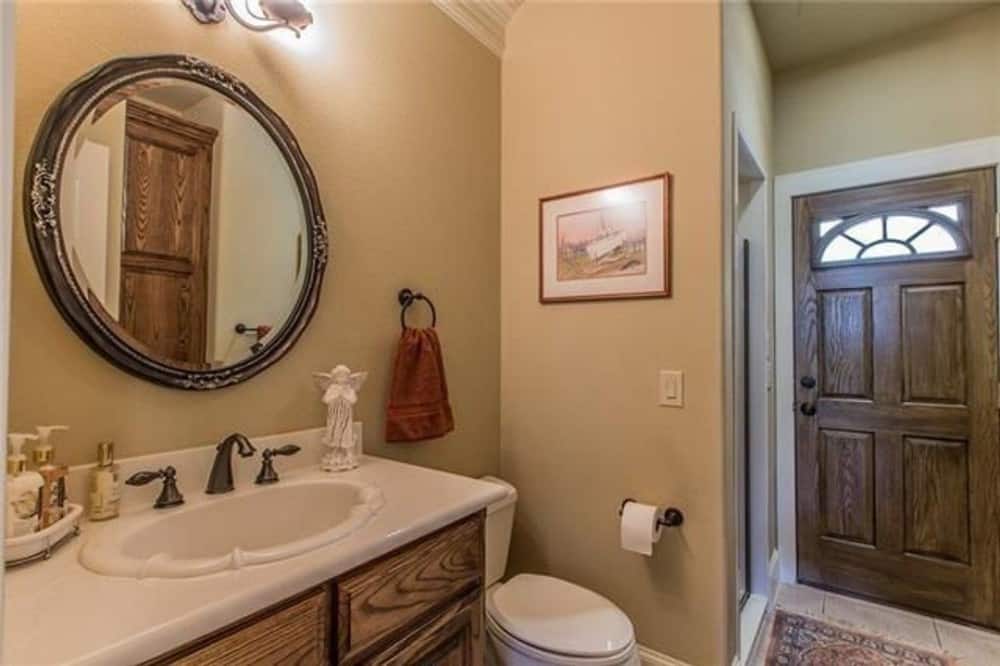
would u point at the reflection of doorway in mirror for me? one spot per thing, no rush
(164, 259)
(93, 180)
(87, 218)
(256, 233)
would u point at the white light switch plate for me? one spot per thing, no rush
(671, 388)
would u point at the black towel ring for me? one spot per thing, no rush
(407, 298)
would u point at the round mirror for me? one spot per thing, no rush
(175, 221)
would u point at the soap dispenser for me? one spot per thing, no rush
(53, 495)
(23, 489)
(105, 484)
(45, 449)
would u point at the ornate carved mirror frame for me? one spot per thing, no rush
(44, 231)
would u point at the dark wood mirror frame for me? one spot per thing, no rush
(42, 218)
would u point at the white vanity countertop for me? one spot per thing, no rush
(58, 612)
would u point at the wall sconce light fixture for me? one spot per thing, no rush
(256, 15)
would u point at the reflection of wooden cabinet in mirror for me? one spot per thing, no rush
(167, 204)
(168, 183)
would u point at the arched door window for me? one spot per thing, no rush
(894, 235)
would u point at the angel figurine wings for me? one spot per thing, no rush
(340, 393)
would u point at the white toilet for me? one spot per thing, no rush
(536, 620)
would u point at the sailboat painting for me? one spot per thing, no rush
(606, 243)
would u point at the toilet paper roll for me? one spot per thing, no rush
(640, 527)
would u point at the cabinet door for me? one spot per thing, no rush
(293, 633)
(452, 638)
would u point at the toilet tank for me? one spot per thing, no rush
(499, 523)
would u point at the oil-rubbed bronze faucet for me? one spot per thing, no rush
(220, 480)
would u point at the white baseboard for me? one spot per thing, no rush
(773, 579)
(751, 621)
(653, 658)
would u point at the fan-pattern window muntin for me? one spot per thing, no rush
(897, 235)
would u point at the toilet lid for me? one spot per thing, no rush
(560, 617)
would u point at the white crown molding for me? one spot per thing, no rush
(486, 20)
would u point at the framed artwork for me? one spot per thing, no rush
(606, 243)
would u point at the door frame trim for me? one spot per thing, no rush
(916, 164)
(735, 129)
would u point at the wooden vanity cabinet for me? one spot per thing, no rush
(420, 604)
(295, 631)
(452, 637)
(393, 609)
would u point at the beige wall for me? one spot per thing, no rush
(397, 109)
(929, 88)
(594, 94)
(747, 79)
(6, 179)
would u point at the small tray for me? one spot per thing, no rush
(40, 545)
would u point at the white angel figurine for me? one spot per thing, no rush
(340, 393)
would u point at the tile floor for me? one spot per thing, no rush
(970, 647)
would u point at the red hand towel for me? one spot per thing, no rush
(418, 401)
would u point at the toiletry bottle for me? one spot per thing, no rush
(53, 497)
(23, 487)
(104, 484)
(45, 441)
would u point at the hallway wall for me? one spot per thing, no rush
(928, 88)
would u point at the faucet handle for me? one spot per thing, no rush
(170, 495)
(267, 472)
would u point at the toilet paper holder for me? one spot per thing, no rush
(671, 517)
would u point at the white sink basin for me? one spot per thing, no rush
(244, 528)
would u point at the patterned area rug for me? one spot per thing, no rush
(797, 640)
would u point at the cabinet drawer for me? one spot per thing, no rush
(387, 595)
(295, 632)
(453, 637)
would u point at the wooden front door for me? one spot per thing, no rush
(164, 259)
(897, 463)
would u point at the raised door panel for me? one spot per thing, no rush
(933, 350)
(157, 310)
(161, 196)
(847, 485)
(845, 343)
(936, 498)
